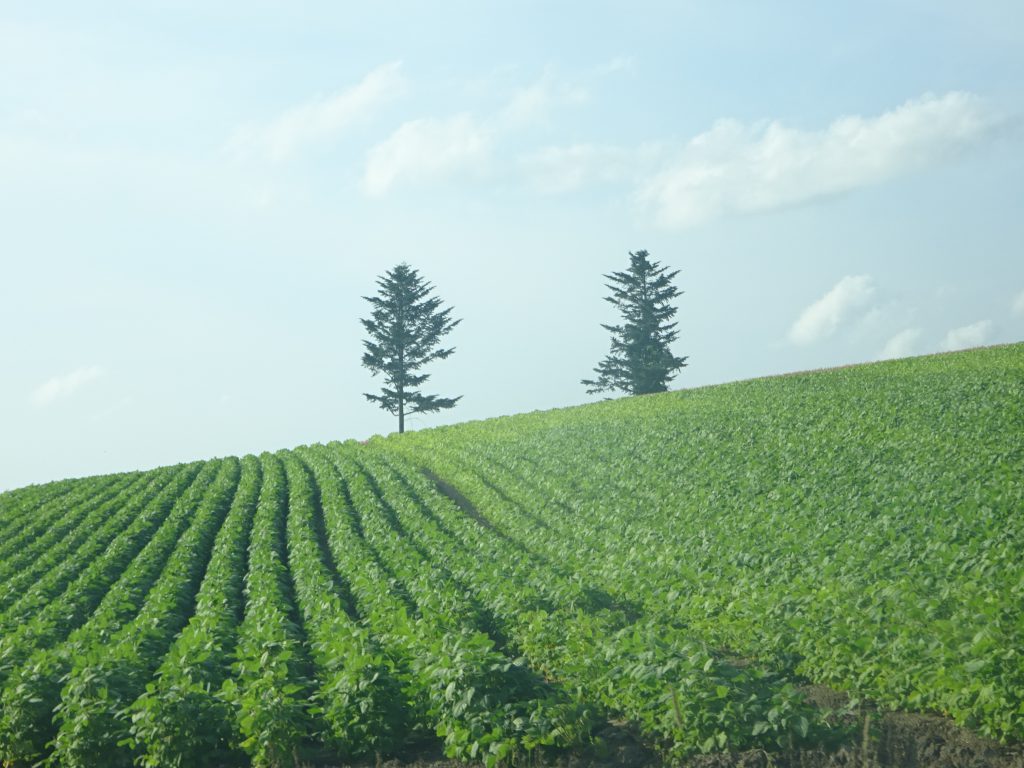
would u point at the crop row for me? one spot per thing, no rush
(660, 675)
(269, 688)
(102, 511)
(181, 719)
(113, 658)
(49, 597)
(681, 565)
(105, 595)
(22, 505)
(856, 528)
(482, 702)
(62, 512)
(332, 601)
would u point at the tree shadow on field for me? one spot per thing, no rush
(487, 621)
(470, 510)
(595, 599)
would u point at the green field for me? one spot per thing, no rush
(679, 564)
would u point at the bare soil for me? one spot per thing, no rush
(891, 740)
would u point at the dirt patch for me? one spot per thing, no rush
(881, 740)
(892, 740)
(899, 740)
(614, 746)
(908, 739)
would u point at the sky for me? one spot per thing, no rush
(195, 198)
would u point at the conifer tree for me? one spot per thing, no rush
(405, 328)
(640, 361)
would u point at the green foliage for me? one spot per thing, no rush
(182, 719)
(683, 564)
(359, 696)
(702, 702)
(97, 517)
(77, 513)
(21, 505)
(36, 657)
(269, 690)
(482, 702)
(106, 678)
(854, 527)
(406, 327)
(640, 361)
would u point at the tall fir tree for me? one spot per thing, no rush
(405, 329)
(640, 361)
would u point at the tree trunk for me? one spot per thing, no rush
(401, 416)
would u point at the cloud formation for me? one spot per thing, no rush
(735, 168)
(822, 318)
(1018, 305)
(432, 148)
(320, 119)
(60, 387)
(426, 148)
(534, 103)
(563, 169)
(966, 336)
(902, 344)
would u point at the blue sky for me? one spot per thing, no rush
(193, 201)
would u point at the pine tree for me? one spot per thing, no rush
(405, 330)
(640, 361)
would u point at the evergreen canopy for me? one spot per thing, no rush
(640, 361)
(405, 328)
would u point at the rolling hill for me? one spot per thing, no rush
(687, 567)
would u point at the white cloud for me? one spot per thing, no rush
(532, 104)
(973, 335)
(1018, 305)
(64, 386)
(821, 319)
(319, 119)
(737, 168)
(430, 148)
(901, 345)
(426, 148)
(562, 169)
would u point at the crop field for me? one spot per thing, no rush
(682, 565)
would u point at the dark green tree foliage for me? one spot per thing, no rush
(406, 327)
(640, 361)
